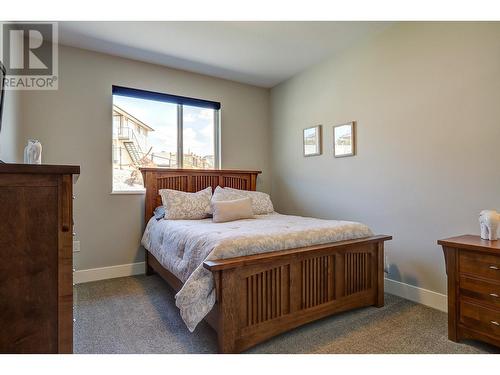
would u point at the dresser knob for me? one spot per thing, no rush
(494, 295)
(494, 322)
(494, 268)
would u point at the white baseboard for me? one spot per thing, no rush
(423, 296)
(122, 270)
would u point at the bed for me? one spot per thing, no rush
(250, 298)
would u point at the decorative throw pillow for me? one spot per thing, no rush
(186, 206)
(261, 202)
(236, 209)
(159, 213)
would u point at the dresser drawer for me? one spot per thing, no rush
(480, 289)
(483, 265)
(480, 318)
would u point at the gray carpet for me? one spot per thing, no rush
(138, 315)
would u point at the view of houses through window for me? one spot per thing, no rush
(146, 134)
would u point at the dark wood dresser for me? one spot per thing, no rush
(36, 275)
(473, 268)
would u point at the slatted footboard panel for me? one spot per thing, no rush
(286, 291)
(317, 281)
(357, 272)
(267, 295)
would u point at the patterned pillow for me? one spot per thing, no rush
(180, 205)
(261, 202)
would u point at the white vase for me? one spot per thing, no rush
(33, 152)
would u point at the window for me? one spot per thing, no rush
(160, 130)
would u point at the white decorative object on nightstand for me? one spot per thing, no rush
(33, 152)
(488, 220)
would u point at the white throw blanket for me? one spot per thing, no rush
(181, 246)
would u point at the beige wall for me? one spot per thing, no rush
(10, 132)
(426, 97)
(74, 126)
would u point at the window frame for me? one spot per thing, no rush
(181, 101)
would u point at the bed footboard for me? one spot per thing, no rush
(263, 295)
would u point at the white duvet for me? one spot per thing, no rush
(181, 246)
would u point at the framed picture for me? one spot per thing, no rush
(344, 140)
(312, 141)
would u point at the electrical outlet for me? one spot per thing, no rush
(76, 246)
(387, 265)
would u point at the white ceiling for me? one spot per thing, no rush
(258, 53)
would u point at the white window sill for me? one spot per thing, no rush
(128, 192)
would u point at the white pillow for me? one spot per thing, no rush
(236, 209)
(186, 206)
(261, 202)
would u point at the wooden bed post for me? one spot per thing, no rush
(228, 312)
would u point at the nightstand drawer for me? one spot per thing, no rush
(483, 265)
(480, 318)
(479, 289)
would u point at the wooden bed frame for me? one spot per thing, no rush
(260, 296)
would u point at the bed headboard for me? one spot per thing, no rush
(191, 180)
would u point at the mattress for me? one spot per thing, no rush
(181, 246)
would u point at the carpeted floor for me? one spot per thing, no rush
(138, 315)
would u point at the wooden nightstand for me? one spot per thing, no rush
(473, 268)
